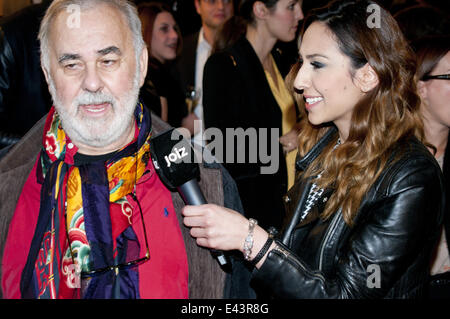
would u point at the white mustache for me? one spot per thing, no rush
(94, 98)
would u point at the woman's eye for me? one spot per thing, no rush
(317, 65)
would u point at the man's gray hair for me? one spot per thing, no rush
(127, 8)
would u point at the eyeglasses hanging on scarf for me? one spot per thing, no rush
(117, 267)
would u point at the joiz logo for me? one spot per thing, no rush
(177, 154)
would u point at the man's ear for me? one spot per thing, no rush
(46, 72)
(260, 10)
(143, 61)
(366, 78)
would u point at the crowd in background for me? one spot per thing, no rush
(20, 21)
(197, 48)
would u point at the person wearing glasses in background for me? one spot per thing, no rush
(82, 212)
(433, 78)
(196, 50)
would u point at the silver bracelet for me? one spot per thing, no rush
(248, 243)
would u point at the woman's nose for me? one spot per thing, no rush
(298, 12)
(173, 34)
(301, 81)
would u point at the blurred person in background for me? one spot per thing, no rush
(422, 20)
(244, 88)
(433, 83)
(161, 91)
(24, 97)
(196, 50)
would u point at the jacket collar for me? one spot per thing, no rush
(303, 162)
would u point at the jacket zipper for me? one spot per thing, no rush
(288, 256)
(327, 236)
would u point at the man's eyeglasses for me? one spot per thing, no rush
(127, 265)
(436, 77)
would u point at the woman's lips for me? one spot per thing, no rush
(311, 101)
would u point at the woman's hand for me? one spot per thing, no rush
(223, 229)
(216, 227)
(164, 109)
(189, 123)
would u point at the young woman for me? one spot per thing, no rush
(243, 88)
(367, 204)
(160, 92)
(433, 77)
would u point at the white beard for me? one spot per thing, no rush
(99, 132)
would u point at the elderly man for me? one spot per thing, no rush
(82, 212)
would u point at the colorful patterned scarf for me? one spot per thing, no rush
(92, 200)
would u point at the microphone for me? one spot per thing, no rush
(174, 161)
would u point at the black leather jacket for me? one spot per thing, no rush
(386, 254)
(24, 97)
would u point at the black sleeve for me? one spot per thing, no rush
(6, 63)
(401, 227)
(221, 91)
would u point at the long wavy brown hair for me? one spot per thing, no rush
(386, 116)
